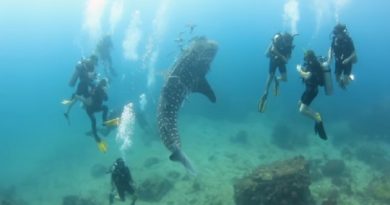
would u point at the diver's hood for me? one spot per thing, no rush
(339, 29)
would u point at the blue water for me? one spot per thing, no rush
(41, 41)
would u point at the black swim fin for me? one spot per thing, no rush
(276, 88)
(66, 115)
(111, 198)
(320, 130)
(262, 103)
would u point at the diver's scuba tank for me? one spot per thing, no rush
(328, 85)
(76, 73)
(73, 79)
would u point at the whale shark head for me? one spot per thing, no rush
(204, 50)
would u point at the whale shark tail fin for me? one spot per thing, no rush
(179, 156)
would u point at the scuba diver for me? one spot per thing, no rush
(312, 73)
(191, 27)
(85, 74)
(279, 52)
(343, 50)
(95, 104)
(103, 50)
(121, 182)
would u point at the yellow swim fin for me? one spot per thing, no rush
(102, 146)
(66, 102)
(113, 122)
(262, 103)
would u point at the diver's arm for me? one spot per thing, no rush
(275, 51)
(105, 95)
(304, 74)
(267, 52)
(349, 59)
(128, 176)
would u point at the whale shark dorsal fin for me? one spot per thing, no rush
(204, 87)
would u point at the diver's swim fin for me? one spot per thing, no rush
(111, 198)
(102, 146)
(179, 156)
(113, 122)
(66, 115)
(320, 130)
(276, 88)
(262, 103)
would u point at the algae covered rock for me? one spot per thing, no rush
(380, 188)
(153, 189)
(77, 200)
(281, 183)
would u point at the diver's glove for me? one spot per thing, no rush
(304, 74)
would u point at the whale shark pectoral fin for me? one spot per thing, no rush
(179, 156)
(204, 87)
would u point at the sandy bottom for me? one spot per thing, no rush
(207, 142)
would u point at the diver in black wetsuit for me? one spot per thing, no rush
(85, 74)
(279, 52)
(343, 50)
(95, 104)
(103, 50)
(121, 181)
(313, 76)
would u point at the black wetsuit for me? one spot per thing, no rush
(122, 180)
(84, 69)
(98, 96)
(343, 47)
(103, 50)
(316, 79)
(276, 61)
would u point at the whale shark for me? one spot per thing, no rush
(187, 75)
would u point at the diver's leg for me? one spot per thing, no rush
(111, 69)
(132, 192)
(121, 193)
(87, 101)
(134, 198)
(263, 100)
(70, 105)
(111, 198)
(113, 194)
(105, 113)
(283, 73)
(307, 97)
(347, 70)
(81, 89)
(282, 77)
(306, 110)
(271, 76)
(92, 117)
(338, 72)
